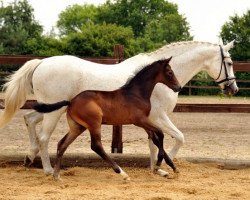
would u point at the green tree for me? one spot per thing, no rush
(17, 26)
(169, 28)
(238, 29)
(153, 22)
(45, 46)
(137, 14)
(74, 17)
(99, 40)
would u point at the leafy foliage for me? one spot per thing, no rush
(169, 28)
(238, 29)
(17, 26)
(99, 40)
(74, 17)
(136, 14)
(143, 17)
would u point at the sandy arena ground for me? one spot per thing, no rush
(207, 135)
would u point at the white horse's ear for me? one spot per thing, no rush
(220, 41)
(229, 46)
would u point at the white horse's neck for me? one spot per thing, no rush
(189, 58)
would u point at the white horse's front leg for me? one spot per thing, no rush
(31, 120)
(165, 124)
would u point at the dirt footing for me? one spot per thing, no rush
(124, 160)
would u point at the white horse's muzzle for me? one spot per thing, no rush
(230, 89)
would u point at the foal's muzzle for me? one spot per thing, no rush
(177, 89)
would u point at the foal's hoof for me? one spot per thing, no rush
(27, 161)
(127, 178)
(176, 171)
(57, 177)
(161, 172)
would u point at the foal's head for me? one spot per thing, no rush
(167, 75)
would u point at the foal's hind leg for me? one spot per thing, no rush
(31, 119)
(96, 145)
(75, 131)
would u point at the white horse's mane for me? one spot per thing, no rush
(174, 49)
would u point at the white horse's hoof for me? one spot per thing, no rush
(161, 172)
(48, 171)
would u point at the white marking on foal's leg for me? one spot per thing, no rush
(124, 175)
(153, 159)
(57, 177)
(161, 172)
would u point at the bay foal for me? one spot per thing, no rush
(128, 105)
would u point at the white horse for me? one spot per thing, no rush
(63, 77)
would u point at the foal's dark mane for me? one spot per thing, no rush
(142, 75)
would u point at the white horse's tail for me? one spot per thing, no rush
(17, 87)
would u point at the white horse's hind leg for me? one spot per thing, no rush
(31, 119)
(48, 125)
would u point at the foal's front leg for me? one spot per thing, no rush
(157, 138)
(161, 120)
(96, 145)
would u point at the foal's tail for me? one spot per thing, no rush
(46, 108)
(17, 87)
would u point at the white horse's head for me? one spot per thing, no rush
(221, 69)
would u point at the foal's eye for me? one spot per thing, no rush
(170, 73)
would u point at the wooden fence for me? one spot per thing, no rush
(238, 67)
(118, 56)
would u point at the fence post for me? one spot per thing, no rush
(117, 144)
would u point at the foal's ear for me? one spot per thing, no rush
(165, 61)
(168, 60)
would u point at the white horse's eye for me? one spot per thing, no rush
(229, 64)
